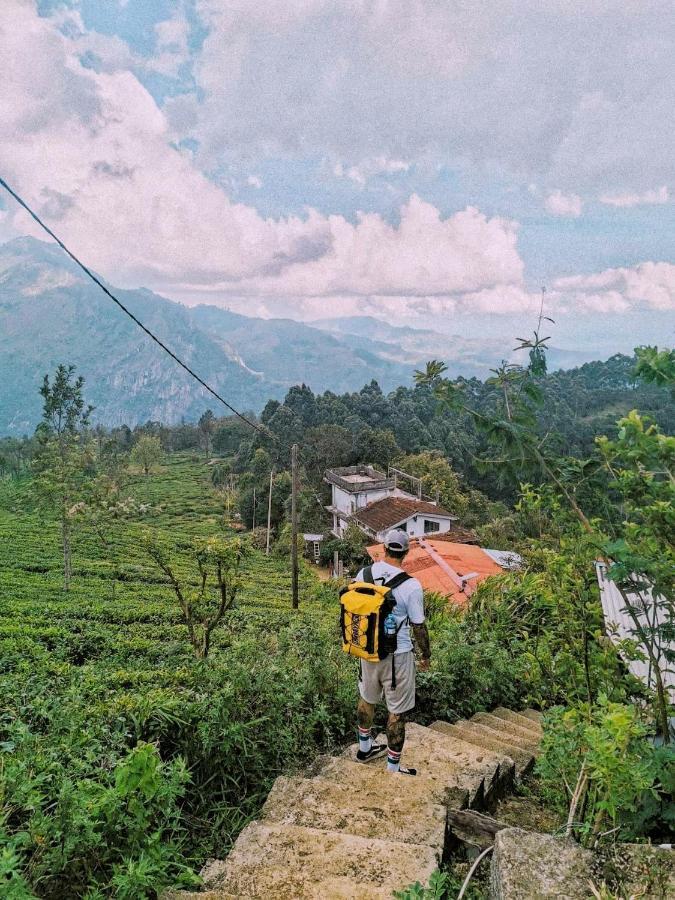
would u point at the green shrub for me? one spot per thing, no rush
(600, 762)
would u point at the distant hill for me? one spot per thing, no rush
(470, 357)
(51, 313)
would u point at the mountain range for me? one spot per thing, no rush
(51, 313)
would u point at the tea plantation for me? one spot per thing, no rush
(124, 760)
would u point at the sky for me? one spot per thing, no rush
(430, 162)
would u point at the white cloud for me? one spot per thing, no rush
(171, 49)
(650, 284)
(627, 200)
(580, 101)
(91, 150)
(254, 181)
(559, 204)
(369, 168)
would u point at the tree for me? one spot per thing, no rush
(147, 453)
(634, 536)
(102, 507)
(209, 591)
(351, 548)
(641, 551)
(281, 491)
(206, 425)
(375, 446)
(327, 446)
(230, 434)
(64, 458)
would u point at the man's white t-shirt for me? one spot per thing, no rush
(409, 602)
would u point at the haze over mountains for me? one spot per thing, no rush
(50, 313)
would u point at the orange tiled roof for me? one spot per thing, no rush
(462, 559)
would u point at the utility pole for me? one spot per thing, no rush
(269, 513)
(253, 528)
(294, 524)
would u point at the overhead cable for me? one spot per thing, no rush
(262, 430)
(134, 319)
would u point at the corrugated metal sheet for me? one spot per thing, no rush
(507, 559)
(620, 625)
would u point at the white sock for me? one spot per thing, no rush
(365, 742)
(393, 760)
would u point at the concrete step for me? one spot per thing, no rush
(518, 719)
(530, 866)
(445, 788)
(374, 810)
(280, 862)
(534, 715)
(503, 730)
(488, 739)
(461, 764)
(504, 726)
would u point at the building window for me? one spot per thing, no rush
(430, 527)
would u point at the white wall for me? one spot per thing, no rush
(347, 502)
(416, 528)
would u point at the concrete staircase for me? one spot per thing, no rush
(350, 830)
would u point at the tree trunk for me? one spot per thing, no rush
(67, 557)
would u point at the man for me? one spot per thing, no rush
(376, 677)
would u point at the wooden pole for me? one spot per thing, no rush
(269, 514)
(253, 528)
(294, 524)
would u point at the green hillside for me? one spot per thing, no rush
(51, 313)
(86, 675)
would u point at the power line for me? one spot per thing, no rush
(128, 312)
(264, 431)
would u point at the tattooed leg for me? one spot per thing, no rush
(365, 713)
(395, 742)
(396, 732)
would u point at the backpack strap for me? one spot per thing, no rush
(397, 580)
(367, 575)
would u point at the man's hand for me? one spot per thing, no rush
(424, 664)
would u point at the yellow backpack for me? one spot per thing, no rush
(364, 606)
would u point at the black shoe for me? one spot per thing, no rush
(375, 751)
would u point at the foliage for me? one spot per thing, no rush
(84, 680)
(206, 426)
(439, 479)
(217, 564)
(63, 454)
(446, 883)
(641, 464)
(576, 406)
(548, 616)
(655, 366)
(147, 453)
(351, 548)
(596, 760)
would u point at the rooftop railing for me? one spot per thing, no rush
(373, 479)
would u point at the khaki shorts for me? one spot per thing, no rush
(375, 682)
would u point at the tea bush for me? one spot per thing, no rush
(125, 761)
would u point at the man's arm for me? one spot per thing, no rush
(421, 634)
(419, 626)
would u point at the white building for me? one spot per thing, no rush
(417, 517)
(376, 503)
